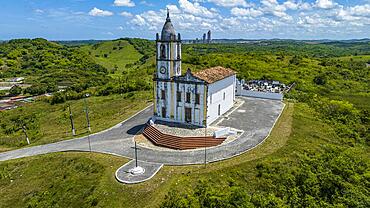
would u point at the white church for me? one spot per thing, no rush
(193, 98)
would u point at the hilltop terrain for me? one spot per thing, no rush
(317, 154)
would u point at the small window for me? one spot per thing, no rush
(163, 95)
(188, 97)
(163, 112)
(197, 99)
(178, 96)
(224, 96)
(163, 51)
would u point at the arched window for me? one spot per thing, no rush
(163, 51)
(178, 51)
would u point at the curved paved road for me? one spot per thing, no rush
(256, 117)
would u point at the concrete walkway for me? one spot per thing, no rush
(255, 116)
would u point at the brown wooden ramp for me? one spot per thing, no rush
(177, 142)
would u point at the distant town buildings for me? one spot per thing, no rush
(207, 38)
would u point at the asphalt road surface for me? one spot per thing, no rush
(255, 116)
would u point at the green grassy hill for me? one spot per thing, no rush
(114, 55)
(48, 63)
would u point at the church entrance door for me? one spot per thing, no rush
(188, 115)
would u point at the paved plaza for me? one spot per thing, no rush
(255, 117)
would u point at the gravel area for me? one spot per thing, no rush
(184, 131)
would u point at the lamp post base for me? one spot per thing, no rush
(137, 170)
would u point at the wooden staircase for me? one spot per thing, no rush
(180, 143)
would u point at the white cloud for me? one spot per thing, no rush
(120, 28)
(173, 9)
(291, 4)
(251, 12)
(274, 8)
(39, 11)
(316, 20)
(195, 9)
(305, 6)
(146, 3)
(283, 19)
(229, 3)
(361, 10)
(356, 15)
(139, 20)
(126, 14)
(126, 3)
(108, 33)
(325, 4)
(100, 13)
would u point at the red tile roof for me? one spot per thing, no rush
(214, 74)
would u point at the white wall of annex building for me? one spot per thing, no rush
(221, 94)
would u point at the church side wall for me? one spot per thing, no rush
(221, 97)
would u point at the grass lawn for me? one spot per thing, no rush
(54, 123)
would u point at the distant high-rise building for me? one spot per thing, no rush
(209, 37)
(204, 38)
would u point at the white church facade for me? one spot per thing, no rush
(193, 98)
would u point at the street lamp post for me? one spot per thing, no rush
(137, 170)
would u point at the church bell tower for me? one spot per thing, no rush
(168, 51)
(168, 59)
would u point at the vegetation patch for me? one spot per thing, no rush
(46, 123)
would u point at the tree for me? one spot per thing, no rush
(295, 60)
(58, 97)
(320, 80)
(15, 90)
(22, 122)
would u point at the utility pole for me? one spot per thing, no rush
(205, 143)
(71, 118)
(87, 112)
(25, 133)
(88, 121)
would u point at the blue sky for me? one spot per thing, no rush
(250, 19)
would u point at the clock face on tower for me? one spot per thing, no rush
(163, 70)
